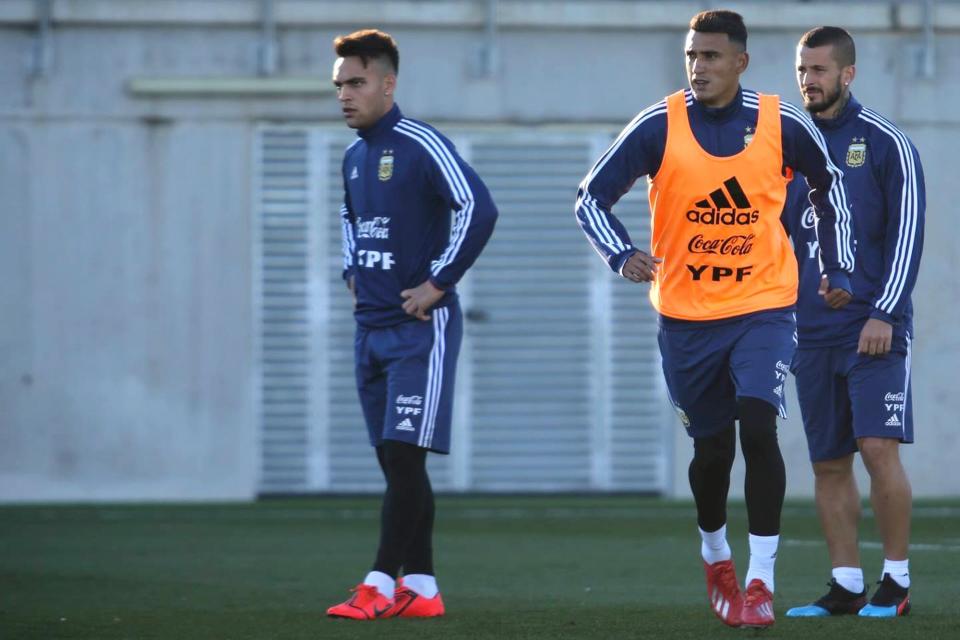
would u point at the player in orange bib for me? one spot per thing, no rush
(724, 280)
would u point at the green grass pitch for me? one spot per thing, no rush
(509, 567)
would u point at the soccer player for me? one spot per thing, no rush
(415, 217)
(724, 279)
(852, 366)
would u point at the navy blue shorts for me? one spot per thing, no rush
(405, 377)
(845, 395)
(708, 365)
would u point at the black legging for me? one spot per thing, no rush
(765, 482)
(406, 519)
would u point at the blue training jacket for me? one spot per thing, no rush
(413, 210)
(884, 181)
(639, 148)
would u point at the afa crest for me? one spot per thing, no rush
(385, 171)
(857, 152)
(748, 137)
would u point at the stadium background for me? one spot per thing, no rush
(173, 326)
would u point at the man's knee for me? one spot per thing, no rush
(715, 453)
(758, 425)
(879, 453)
(402, 460)
(836, 469)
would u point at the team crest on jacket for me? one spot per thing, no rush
(748, 137)
(857, 152)
(386, 165)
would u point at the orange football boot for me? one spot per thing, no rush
(724, 592)
(757, 605)
(410, 604)
(367, 603)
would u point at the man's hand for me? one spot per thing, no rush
(875, 337)
(835, 298)
(352, 286)
(417, 301)
(640, 267)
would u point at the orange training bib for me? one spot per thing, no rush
(716, 223)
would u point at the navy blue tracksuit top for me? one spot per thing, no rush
(724, 131)
(884, 183)
(413, 210)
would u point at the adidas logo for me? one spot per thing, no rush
(720, 604)
(406, 425)
(893, 421)
(717, 209)
(354, 174)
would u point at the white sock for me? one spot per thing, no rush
(899, 570)
(763, 555)
(850, 578)
(714, 547)
(425, 585)
(384, 583)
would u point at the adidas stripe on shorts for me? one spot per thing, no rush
(405, 378)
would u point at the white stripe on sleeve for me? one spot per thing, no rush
(837, 195)
(907, 231)
(459, 187)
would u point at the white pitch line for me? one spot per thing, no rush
(923, 546)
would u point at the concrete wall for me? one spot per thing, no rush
(126, 337)
(126, 365)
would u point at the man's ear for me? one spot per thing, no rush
(389, 83)
(847, 74)
(743, 61)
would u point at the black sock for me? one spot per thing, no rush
(766, 480)
(710, 477)
(405, 468)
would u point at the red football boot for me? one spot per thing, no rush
(724, 592)
(367, 603)
(757, 605)
(410, 604)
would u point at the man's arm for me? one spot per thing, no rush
(348, 242)
(794, 212)
(805, 151)
(474, 216)
(905, 201)
(795, 206)
(637, 151)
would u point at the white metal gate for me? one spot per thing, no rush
(558, 386)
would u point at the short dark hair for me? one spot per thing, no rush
(844, 51)
(721, 21)
(369, 44)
